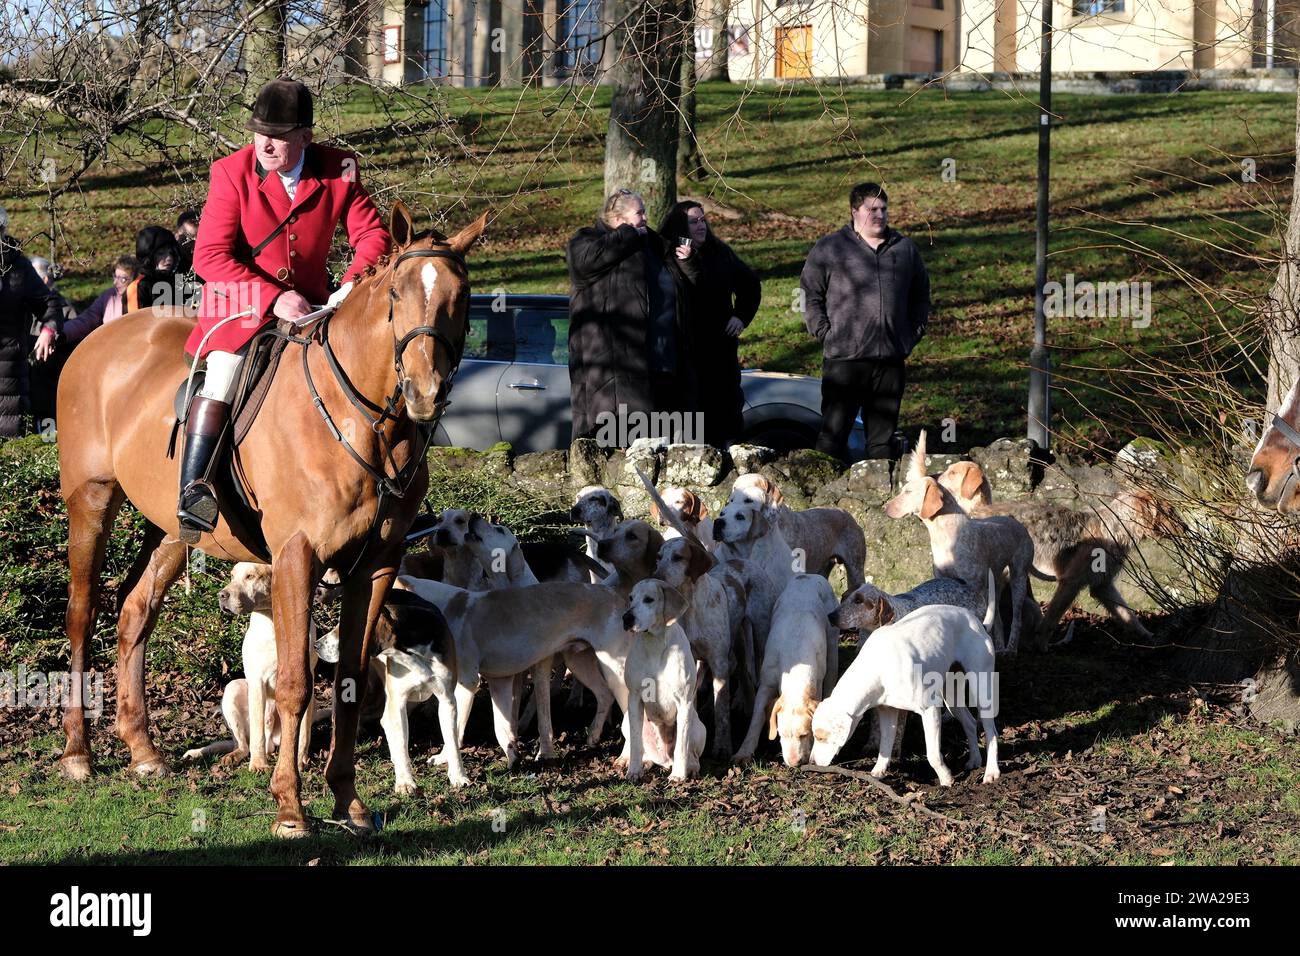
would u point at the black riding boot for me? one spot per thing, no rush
(204, 427)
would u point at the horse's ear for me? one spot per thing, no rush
(400, 224)
(469, 235)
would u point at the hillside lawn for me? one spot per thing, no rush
(1145, 188)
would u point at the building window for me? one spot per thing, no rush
(393, 44)
(1090, 8)
(435, 38)
(580, 29)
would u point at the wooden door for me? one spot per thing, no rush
(794, 52)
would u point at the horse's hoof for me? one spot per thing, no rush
(290, 829)
(152, 767)
(76, 769)
(367, 826)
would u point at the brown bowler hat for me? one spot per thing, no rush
(281, 106)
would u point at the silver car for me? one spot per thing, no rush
(513, 385)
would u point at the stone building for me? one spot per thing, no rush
(547, 42)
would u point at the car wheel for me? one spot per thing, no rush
(783, 437)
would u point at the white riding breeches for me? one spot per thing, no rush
(222, 376)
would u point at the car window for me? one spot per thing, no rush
(541, 336)
(490, 335)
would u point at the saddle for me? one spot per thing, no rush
(235, 500)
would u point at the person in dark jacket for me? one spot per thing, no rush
(48, 351)
(629, 328)
(107, 306)
(867, 300)
(727, 295)
(22, 296)
(158, 254)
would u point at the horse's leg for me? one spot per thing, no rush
(293, 578)
(363, 599)
(91, 509)
(158, 564)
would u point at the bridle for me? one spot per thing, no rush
(398, 483)
(1293, 436)
(454, 349)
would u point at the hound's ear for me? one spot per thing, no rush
(655, 516)
(972, 478)
(616, 508)
(653, 545)
(933, 502)
(387, 626)
(700, 561)
(674, 605)
(400, 224)
(462, 241)
(884, 612)
(773, 493)
(699, 510)
(771, 721)
(515, 562)
(478, 525)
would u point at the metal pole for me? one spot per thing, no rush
(1040, 370)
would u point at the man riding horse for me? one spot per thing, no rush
(264, 237)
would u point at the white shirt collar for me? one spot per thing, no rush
(290, 179)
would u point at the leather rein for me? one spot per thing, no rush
(398, 483)
(1293, 436)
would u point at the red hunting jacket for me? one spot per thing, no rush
(245, 204)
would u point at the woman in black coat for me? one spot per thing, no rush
(726, 297)
(629, 327)
(22, 296)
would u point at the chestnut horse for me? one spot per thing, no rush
(319, 507)
(1274, 472)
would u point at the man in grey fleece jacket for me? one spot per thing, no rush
(867, 300)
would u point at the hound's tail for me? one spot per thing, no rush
(991, 614)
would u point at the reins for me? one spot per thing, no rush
(398, 483)
(1293, 436)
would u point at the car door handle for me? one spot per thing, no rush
(533, 386)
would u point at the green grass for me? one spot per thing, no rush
(1139, 183)
(1086, 727)
(1221, 807)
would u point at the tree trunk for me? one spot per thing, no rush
(375, 51)
(688, 150)
(264, 47)
(713, 20)
(641, 145)
(356, 17)
(1283, 308)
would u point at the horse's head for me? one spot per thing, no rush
(1272, 474)
(428, 302)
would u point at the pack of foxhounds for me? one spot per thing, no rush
(650, 607)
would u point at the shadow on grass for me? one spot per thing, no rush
(330, 845)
